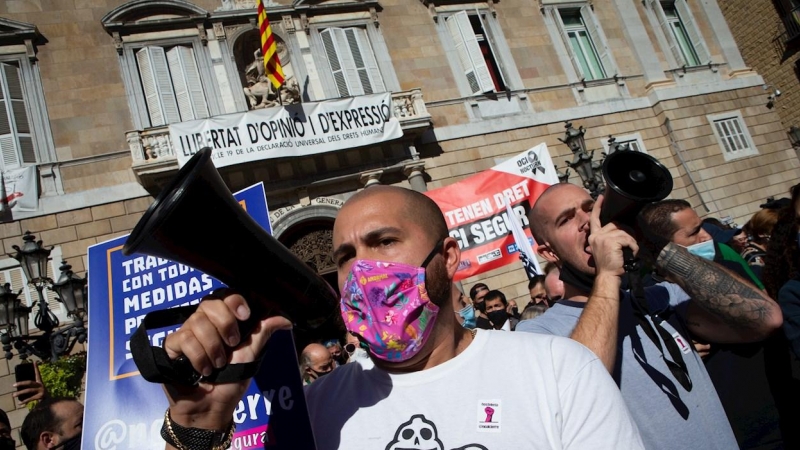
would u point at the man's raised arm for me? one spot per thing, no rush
(210, 339)
(598, 325)
(724, 307)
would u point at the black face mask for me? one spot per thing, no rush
(584, 282)
(6, 443)
(575, 278)
(73, 443)
(342, 358)
(498, 317)
(318, 375)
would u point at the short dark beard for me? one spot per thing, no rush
(437, 283)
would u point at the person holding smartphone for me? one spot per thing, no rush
(29, 383)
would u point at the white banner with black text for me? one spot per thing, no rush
(292, 130)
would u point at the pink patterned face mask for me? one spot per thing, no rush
(386, 303)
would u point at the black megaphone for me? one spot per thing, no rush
(633, 179)
(197, 222)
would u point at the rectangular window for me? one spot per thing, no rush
(732, 134)
(679, 27)
(475, 53)
(171, 83)
(585, 43)
(16, 141)
(680, 35)
(582, 45)
(634, 142)
(352, 61)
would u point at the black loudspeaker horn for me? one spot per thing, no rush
(633, 179)
(197, 222)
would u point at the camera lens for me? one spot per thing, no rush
(350, 348)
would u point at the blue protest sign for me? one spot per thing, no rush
(123, 410)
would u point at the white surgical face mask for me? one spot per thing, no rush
(705, 250)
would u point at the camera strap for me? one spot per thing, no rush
(155, 365)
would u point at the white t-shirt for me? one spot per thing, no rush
(568, 401)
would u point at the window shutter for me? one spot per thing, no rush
(595, 33)
(347, 62)
(8, 145)
(16, 277)
(26, 149)
(493, 48)
(9, 149)
(158, 92)
(563, 32)
(469, 53)
(658, 10)
(186, 81)
(55, 306)
(368, 71)
(693, 31)
(333, 61)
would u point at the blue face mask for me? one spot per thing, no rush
(705, 250)
(468, 314)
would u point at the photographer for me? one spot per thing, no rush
(645, 344)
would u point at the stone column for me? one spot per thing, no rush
(415, 173)
(371, 178)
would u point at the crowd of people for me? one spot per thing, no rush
(697, 346)
(701, 343)
(691, 351)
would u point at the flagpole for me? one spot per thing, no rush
(524, 247)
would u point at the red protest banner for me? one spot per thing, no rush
(475, 212)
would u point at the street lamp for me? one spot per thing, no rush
(69, 289)
(589, 171)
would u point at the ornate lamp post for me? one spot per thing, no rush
(589, 171)
(69, 289)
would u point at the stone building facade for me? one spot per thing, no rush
(768, 36)
(471, 82)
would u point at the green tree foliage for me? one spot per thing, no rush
(63, 377)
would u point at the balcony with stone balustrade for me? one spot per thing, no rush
(153, 152)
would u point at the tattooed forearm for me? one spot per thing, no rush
(715, 289)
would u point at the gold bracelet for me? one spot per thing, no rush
(169, 435)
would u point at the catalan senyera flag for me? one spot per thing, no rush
(272, 64)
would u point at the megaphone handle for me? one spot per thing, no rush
(632, 267)
(155, 365)
(631, 264)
